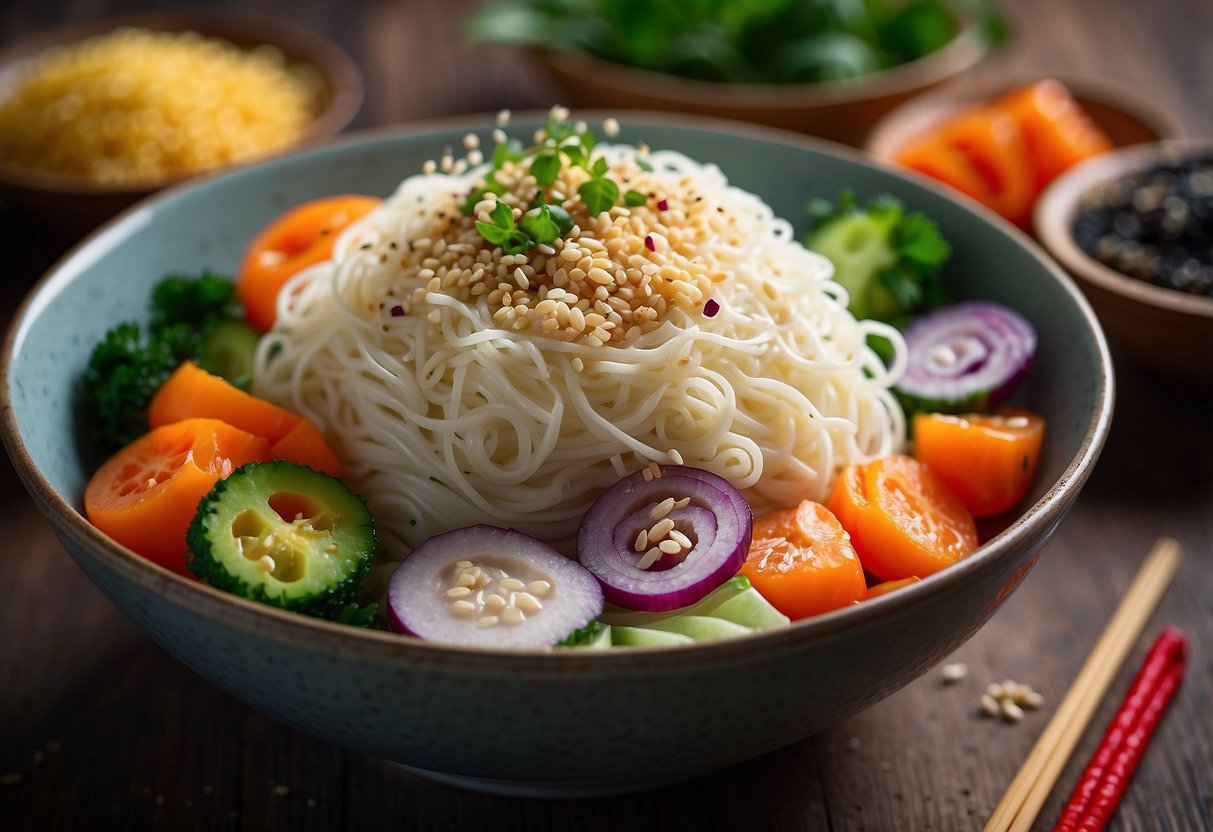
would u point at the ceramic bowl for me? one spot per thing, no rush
(843, 111)
(555, 723)
(1170, 333)
(74, 206)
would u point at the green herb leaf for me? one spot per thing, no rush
(643, 163)
(539, 225)
(634, 198)
(501, 229)
(599, 194)
(517, 242)
(545, 168)
(576, 154)
(600, 167)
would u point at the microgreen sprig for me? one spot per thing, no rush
(557, 143)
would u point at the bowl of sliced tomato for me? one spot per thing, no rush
(239, 531)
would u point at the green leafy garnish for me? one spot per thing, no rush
(599, 194)
(741, 41)
(130, 363)
(546, 223)
(502, 232)
(559, 143)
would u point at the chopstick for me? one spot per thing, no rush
(1036, 778)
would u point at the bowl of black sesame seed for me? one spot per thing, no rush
(1135, 229)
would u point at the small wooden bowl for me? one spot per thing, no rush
(1169, 332)
(1127, 117)
(73, 205)
(843, 111)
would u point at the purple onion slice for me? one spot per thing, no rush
(966, 357)
(488, 587)
(699, 513)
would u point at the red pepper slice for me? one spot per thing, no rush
(1107, 775)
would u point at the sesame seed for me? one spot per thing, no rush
(953, 673)
(503, 118)
(681, 539)
(642, 541)
(511, 584)
(989, 705)
(661, 509)
(463, 609)
(484, 622)
(683, 503)
(458, 592)
(540, 588)
(674, 456)
(610, 127)
(494, 602)
(528, 603)
(429, 168)
(650, 557)
(471, 141)
(656, 469)
(512, 616)
(1010, 711)
(660, 529)
(670, 546)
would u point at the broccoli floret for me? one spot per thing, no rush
(888, 260)
(129, 364)
(199, 302)
(124, 372)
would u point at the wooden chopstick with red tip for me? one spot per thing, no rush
(1031, 786)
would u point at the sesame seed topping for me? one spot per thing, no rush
(670, 546)
(662, 509)
(674, 456)
(649, 558)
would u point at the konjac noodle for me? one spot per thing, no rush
(462, 384)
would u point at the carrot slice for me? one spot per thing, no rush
(304, 445)
(146, 495)
(987, 460)
(885, 587)
(297, 239)
(802, 561)
(191, 391)
(910, 523)
(1058, 131)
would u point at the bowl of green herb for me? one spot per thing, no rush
(830, 68)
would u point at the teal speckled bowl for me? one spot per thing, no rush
(569, 722)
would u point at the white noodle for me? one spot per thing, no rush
(466, 420)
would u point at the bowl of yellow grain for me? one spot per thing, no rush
(96, 116)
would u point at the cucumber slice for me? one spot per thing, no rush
(701, 627)
(284, 535)
(227, 350)
(858, 246)
(750, 609)
(645, 637)
(705, 606)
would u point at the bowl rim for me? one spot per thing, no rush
(963, 51)
(338, 69)
(211, 603)
(1057, 207)
(888, 134)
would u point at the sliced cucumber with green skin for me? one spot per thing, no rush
(227, 350)
(750, 609)
(284, 535)
(701, 627)
(857, 245)
(647, 637)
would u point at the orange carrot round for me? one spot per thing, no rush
(193, 392)
(297, 239)
(987, 460)
(145, 496)
(1058, 131)
(802, 562)
(911, 525)
(885, 587)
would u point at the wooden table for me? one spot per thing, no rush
(100, 729)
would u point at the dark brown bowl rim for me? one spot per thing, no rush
(271, 622)
(303, 45)
(1054, 213)
(963, 51)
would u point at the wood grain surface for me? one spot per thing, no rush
(100, 729)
